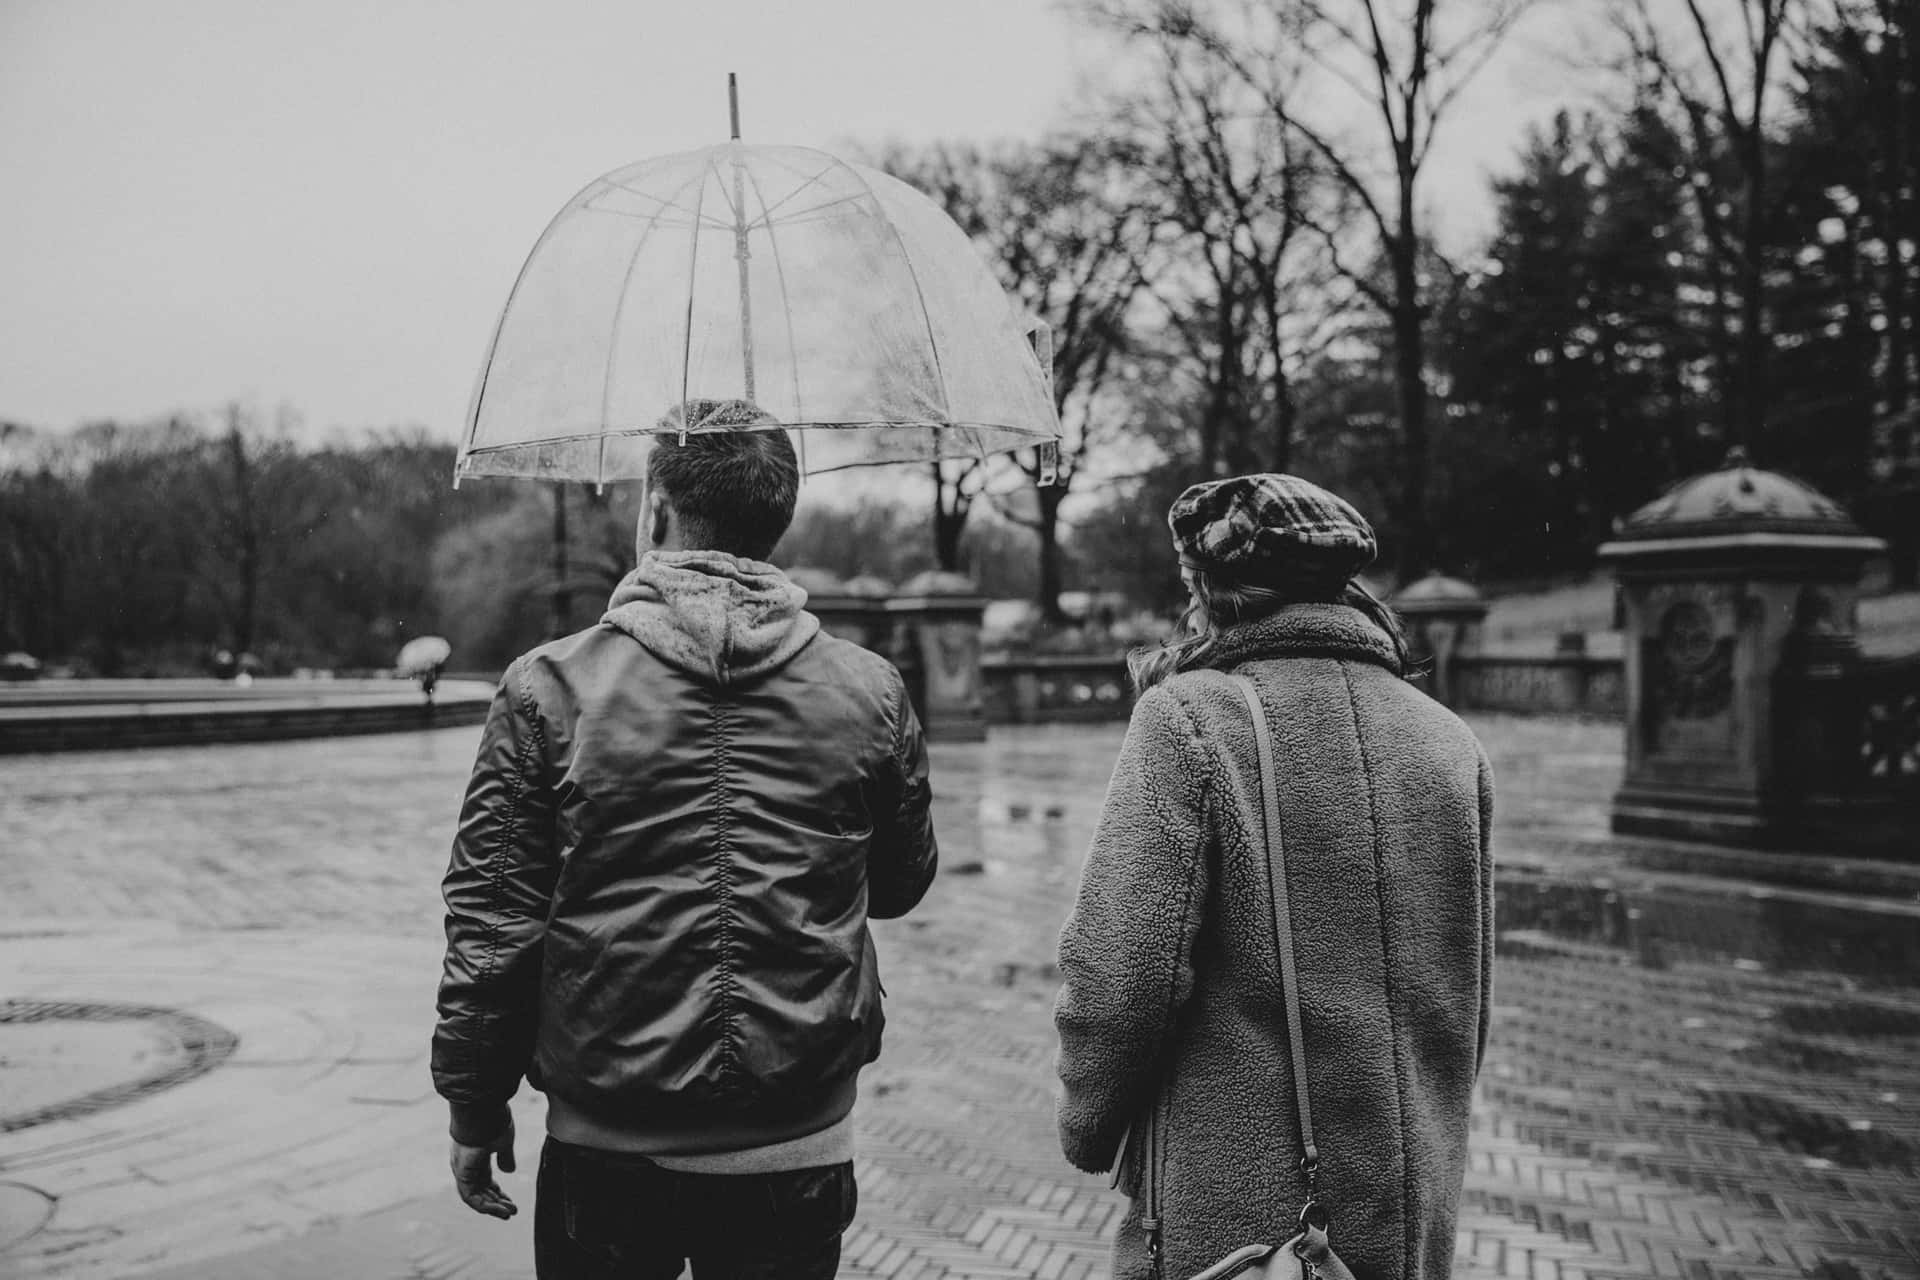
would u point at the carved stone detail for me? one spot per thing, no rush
(1689, 664)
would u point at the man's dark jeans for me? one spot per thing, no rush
(605, 1214)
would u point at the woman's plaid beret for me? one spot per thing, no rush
(1271, 530)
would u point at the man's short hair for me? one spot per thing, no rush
(734, 490)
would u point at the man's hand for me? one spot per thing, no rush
(473, 1174)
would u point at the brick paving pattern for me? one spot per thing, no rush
(1703, 1082)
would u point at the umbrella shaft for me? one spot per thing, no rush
(741, 254)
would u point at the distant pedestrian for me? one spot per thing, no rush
(1174, 1048)
(679, 824)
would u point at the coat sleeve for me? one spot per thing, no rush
(498, 890)
(903, 857)
(1486, 911)
(1126, 952)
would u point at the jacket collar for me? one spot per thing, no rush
(716, 616)
(1304, 630)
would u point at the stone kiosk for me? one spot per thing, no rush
(853, 610)
(1443, 617)
(1730, 583)
(929, 627)
(937, 648)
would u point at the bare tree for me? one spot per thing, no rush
(956, 484)
(1307, 63)
(560, 608)
(590, 550)
(1249, 294)
(1067, 226)
(38, 556)
(259, 506)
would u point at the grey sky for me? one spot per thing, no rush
(322, 203)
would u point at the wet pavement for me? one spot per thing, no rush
(217, 970)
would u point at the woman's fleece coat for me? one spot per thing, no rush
(1172, 1012)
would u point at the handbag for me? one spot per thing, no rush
(1308, 1255)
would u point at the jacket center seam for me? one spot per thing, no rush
(1386, 969)
(728, 984)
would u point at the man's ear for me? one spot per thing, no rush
(659, 517)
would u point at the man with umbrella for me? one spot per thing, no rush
(682, 818)
(679, 822)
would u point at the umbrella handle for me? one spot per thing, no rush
(1048, 460)
(1047, 456)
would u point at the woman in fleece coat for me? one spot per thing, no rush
(1173, 1037)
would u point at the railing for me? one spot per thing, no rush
(1042, 688)
(1052, 688)
(1564, 684)
(1889, 702)
(1848, 737)
(72, 715)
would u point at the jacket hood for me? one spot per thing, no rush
(1305, 630)
(712, 615)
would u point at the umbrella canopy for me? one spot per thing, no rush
(422, 653)
(837, 299)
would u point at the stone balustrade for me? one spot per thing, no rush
(90, 715)
(1563, 684)
(1055, 688)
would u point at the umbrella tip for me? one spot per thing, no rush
(733, 103)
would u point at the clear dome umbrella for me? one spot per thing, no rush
(838, 300)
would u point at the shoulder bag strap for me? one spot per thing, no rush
(1289, 988)
(1282, 926)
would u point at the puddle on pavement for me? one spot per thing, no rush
(1803, 1056)
(1849, 1018)
(67, 1059)
(1768, 931)
(23, 1212)
(1817, 1135)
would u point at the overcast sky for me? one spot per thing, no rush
(322, 203)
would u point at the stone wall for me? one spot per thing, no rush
(1055, 688)
(1564, 684)
(89, 715)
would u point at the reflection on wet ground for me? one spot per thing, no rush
(1691, 1078)
(1660, 924)
(1734, 1071)
(1688, 1077)
(1706, 1098)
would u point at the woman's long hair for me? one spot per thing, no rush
(1220, 604)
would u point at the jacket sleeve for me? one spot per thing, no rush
(1486, 912)
(498, 889)
(1126, 951)
(903, 857)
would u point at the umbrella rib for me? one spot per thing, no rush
(655, 215)
(926, 316)
(794, 194)
(693, 266)
(859, 424)
(613, 344)
(817, 209)
(713, 167)
(637, 193)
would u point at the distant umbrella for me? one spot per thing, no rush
(423, 654)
